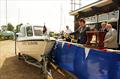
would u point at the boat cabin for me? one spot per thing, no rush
(29, 31)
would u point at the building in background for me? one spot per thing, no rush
(97, 12)
(75, 4)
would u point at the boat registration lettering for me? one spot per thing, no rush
(30, 43)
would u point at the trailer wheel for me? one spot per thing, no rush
(20, 56)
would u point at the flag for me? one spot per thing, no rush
(44, 29)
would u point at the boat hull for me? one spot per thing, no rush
(35, 48)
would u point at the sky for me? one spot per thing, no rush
(54, 13)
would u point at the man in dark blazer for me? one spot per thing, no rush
(81, 32)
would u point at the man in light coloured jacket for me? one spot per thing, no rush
(110, 40)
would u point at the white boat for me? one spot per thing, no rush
(32, 42)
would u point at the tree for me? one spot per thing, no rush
(10, 27)
(3, 27)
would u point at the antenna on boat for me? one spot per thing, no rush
(0, 15)
(44, 23)
(6, 12)
(18, 15)
(60, 16)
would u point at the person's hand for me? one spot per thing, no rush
(105, 41)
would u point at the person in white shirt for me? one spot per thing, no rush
(67, 34)
(68, 31)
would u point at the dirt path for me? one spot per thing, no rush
(6, 50)
(12, 68)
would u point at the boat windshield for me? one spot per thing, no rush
(22, 32)
(38, 31)
(29, 31)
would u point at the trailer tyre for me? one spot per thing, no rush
(20, 56)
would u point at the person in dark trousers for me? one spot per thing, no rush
(81, 32)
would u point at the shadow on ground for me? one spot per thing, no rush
(13, 68)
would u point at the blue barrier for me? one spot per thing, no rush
(95, 64)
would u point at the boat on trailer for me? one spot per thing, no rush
(32, 42)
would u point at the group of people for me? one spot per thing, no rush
(110, 40)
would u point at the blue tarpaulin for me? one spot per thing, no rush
(90, 64)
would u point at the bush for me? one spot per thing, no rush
(7, 37)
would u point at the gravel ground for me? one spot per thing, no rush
(12, 68)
